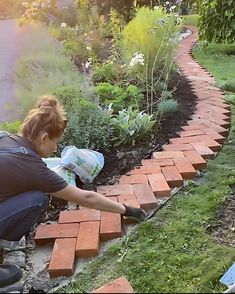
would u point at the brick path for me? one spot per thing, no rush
(78, 233)
(9, 53)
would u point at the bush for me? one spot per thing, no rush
(167, 105)
(216, 21)
(88, 127)
(12, 128)
(117, 96)
(68, 96)
(105, 73)
(130, 126)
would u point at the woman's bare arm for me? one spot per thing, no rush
(89, 199)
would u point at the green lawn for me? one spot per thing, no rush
(173, 252)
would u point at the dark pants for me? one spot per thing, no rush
(19, 213)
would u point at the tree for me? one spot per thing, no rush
(217, 21)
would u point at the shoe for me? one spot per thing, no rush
(9, 274)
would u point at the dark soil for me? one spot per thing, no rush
(222, 228)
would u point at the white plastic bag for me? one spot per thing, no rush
(54, 163)
(85, 163)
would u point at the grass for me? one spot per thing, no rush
(191, 19)
(43, 68)
(173, 252)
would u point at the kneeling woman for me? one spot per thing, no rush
(26, 182)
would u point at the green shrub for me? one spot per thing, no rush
(130, 126)
(167, 105)
(117, 96)
(88, 127)
(12, 128)
(77, 49)
(105, 73)
(68, 96)
(217, 21)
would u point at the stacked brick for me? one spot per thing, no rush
(78, 233)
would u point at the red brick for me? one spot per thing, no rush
(203, 150)
(62, 258)
(156, 162)
(184, 140)
(145, 196)
(167, 154)
(213, 119)
(195, 158)
(209, 142)
(159, 185)
(177, 147)
(129, 200)
(114, 190)
(214, 135)
(148, 169)
(110, 224)
(48, 233)
(87, 244)
(133, 179)
(120, 285)
(211, 112)
(77, 216)
(191, 133)
(185, 168)
(222, 131)
(172, 176)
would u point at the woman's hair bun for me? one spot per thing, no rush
(47, 101)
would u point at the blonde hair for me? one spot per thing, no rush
(49, 116)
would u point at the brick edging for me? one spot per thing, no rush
(152, 182)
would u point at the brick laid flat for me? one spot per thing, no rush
(47, 233)
(120, 285)
(110, 224)
(172, 176)
(77, 216)
(159, 185)
(144, 196)
(88, 239)
(62, 258)
(114, 190)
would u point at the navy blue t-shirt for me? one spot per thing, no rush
(24, 172)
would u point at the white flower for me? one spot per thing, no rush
(35, 4)
(63, 25)
(25, 4)
(138, 58)
(167, 3)
(172, 8)
(156, 7)
(178, 20)
(88, 48)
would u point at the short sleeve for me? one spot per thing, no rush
(46, 180)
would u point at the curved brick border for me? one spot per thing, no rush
(79, 232)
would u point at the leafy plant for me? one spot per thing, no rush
(88, 127)
(130, 126)
(105, 73)
(216, 21)
(68, 96)
(12, 128)
(117, 96)
(167, 105)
